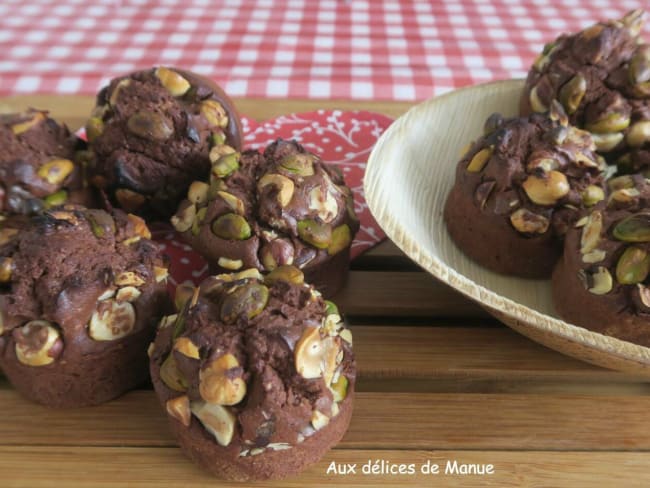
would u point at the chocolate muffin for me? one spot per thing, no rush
(151, 133)
(282, 207)
(81, 292)
(602, 283)
(256, 374)
(519, 188)
(601, 76)
(38, 164)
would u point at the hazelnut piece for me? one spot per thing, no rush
(38, 343)
(221, 382)
(217, 420)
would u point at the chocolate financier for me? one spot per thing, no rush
(38, 164)
(601, 75)
(256, 374)
(151, 133)
(519, 188)
(602, 283)
(81, 292)
(285, 206)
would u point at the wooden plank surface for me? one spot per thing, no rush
(438, 380)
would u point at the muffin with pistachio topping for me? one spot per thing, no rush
(602, 282)
(150, 135)
(519, 188)
(256, 374)
(81, 292)
(38, 164)
(282, 207)
(601, 75)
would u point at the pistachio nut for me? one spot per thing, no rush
(301, 164)
(319, 420)
(285, 187)
(620, 182)
(611, 122)
(546, 189)
(94, 128)
(542, 161)
(644, 295)
(633, 266)
(160, 274)
(171, 375)
(313, 232)
(139, 226)
(179, 408)
(602, 281)
(6, 269)
(55, 199)
(184, 292)
(38, 343)
(129, 200)
(129, 278)
(331, 308)
(216, 185)
(287, 273)
(480, 159)
(633, 22)
(150, 125)
(123, 83)
(111, 320)
(220, 382)
(233, 202)
(638, 134)
(592, 195)
(545, 56)
(187, 348)
(197, 193)
(639, 65)
(572, 92)
(276, 253)
(346, 335)
(248, 300)
(217, 138)
(176, 84)
(535, 103)
(183, 219)
(21, 127)
(591, 232)
(595, 256)
(214, 113)
(217, 420)
(341, 239)
(624, 195)
(339, 389)
(607, 142)
(218, 151)
(198, 220)
(583, 160)
(529, 222)
(232, 227)
(127, 294)
(225, 165)
(56, 171)
(635, 228)
(231, 264)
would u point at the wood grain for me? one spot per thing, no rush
(154, 467)
(380, 420)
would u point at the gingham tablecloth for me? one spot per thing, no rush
(355, 49)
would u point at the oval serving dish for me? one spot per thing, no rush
(409, 174)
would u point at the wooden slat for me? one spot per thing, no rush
(155, 467)
(380, 420)
(380, 293)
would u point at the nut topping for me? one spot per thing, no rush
(635, 228)
(184, 219)
(341, 238)
(633, 266)
(638, 134)
(139, 226)
(231, 227)
(235, 204)
(111, 320)
(129, 200)
(198, 192)
(129, 278)
(479, 160)
(319, 420)
(316, 357)
(323, 202)
(221, 382)
(572, 92)
(290, 274)
(21, 127)
(56, 171)
(284, 185)
(535, 103)
(592, 195)
(547, 189)
(602, 281)
(151, 126)
(38, 343)
(217, 420)
(173, 81)
(248, 300)
(186, 347)
(591, 232)
(301, 164)
(6, 269)
(313, 232)
(171, 375)
(231, 264)
(128, 294)
(214, 113)
(529, 222)
(179, 408)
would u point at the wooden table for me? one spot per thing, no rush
(439, 381)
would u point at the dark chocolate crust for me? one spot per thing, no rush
(38, 164)
(605, 305)
(272, 218)
(274, 432)
(95, 283)
(598, 75)
(151, 133)
(518, 189)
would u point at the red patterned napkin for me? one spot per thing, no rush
(339, 137)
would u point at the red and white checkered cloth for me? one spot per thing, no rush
(355, 49)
